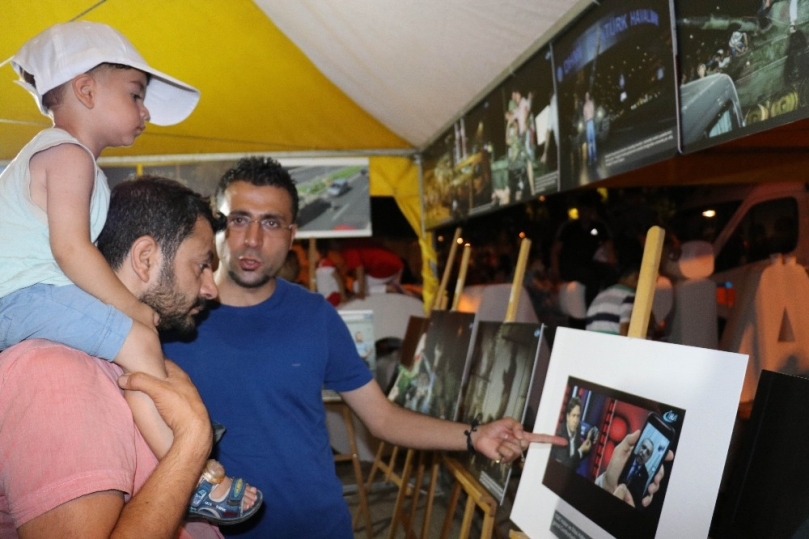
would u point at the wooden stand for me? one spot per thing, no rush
(432, 459)
(313, 256)
(435, 457)
(644, 295)
(388, 468)
(340, 405)
(477, 495)
(402, 481)
(428, 510)
(345, 411)
(440, 301)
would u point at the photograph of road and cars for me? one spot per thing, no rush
(334, 200)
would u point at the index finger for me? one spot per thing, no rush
(534, 437)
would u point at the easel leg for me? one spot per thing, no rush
(468, 513)
(361, 492)
(377, 465)
(476, 496)
(403, 487)
(453, 502)
(414, 499)
(428, 510)
(389, 475)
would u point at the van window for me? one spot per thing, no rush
(768, 228)
(704, 222)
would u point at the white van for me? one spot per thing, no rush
(746, 224)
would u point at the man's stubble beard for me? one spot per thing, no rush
(164, 300)
(263, 280)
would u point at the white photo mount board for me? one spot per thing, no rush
(705, 383)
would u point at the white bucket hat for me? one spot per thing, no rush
(67, 50)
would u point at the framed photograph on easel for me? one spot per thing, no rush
(505, 368)
(682, 399)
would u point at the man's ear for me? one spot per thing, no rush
(292, 232)
(84, 88)
(145, 258)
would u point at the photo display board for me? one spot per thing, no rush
(744, 66)
(631, 406)
(503, 151)
(449, 336)
(526, 163)
(457, 169)
(432, 385)
(617, 87)
(360, 324)
(410, 353)
(597, 420)
(505, 366)
(334, 194)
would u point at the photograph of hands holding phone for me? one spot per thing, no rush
(618, 444)
(636, 468)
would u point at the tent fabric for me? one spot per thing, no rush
(397, 177)
(414, 64)
(296, 75)
(259, 91)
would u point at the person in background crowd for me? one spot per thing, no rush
(583, 249)
(373, 268)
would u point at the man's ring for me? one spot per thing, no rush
(499, 458)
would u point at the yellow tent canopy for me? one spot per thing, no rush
(304, 77)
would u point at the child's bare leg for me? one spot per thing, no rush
(141, 352)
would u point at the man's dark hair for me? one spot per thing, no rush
(588, 199)
(151, 206)
(572, 403)
(629, 253)
(261, 172)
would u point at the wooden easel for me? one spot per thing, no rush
(439, 303)
(313, 264)
(647, 281)
(477, 495)
(644, 296)
(440, 299)
(388, 467)
(433, 456)
(339, 404)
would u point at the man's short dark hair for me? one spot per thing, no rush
(629, 252)
(588, 199)
(161, 208)
(261, 172)
(572, 403)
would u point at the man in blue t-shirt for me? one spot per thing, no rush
(263, 354)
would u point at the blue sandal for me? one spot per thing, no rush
(228, 510)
